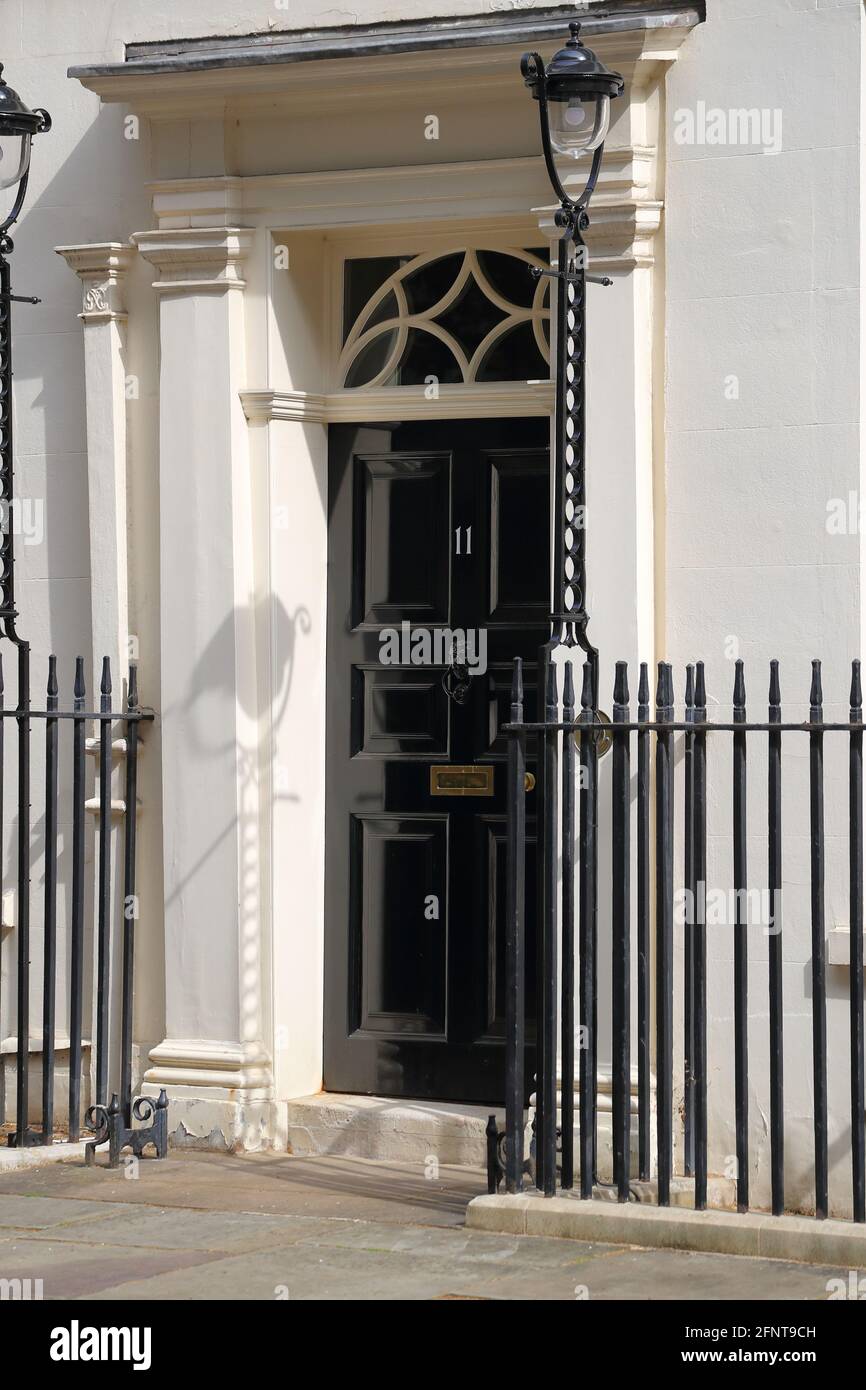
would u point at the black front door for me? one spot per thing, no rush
(433, 528)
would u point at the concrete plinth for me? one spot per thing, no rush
(673, 1228)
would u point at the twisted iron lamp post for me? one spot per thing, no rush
(18, 125)
(573, 93)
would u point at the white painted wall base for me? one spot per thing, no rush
(8, 1075)
(221, 1122)
(220, 1095)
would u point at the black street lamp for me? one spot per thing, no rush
(18, 125)
(573, 93)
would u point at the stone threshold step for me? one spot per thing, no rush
(410, 1131)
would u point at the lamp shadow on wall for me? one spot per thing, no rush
(259, 702)
(215, 676)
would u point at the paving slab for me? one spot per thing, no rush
(528, 1252)
(253, 1227)
(35, 1212)
(300, 1272)
(659, 1276)
(69, 1270)
(277, 1183)
(305, 1272)
(170, 1229)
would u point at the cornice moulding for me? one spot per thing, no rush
(477, 401)
(280, 71)
(496, 191)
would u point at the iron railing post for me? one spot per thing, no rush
(774, 877)
(819, 984)
(664, 932)
(514, 942)
(566, 1085)
(855, 982)
(621, 914)
(741, 944)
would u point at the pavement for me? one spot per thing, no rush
(274, 1226)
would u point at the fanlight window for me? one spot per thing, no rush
(459, 316)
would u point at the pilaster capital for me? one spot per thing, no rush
(101, 267)
(195, 260)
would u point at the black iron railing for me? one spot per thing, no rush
(110, 1119)
(569, 749)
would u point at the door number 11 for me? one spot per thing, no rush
(458, 533)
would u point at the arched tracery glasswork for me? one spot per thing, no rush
(471, 314)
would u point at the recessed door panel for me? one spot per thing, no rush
(519, 511)
(398, 863)
(401, 538)
(399, 712)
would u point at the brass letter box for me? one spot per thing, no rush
(451, 780)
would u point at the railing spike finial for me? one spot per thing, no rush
(568, 692)
(690, 686)
(620, 684)
(52, 687)
(105, 686)
(856, 697)
(552, 694)
(700, 686)
(80, 689)
(775, 697)
(517, 682)
(586, 688)
(816, 693)
(669, 687)
(643, 691)
(661, 686)
(739, 686)
(132, 687)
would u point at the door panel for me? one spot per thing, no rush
(439, 525)
(401, 539)
(519, 506)
(402, 985)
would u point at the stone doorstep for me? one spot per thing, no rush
(799, 1238)
(397, 1130)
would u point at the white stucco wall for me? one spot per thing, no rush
(762, 430)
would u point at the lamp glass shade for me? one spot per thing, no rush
(578, 124)
(14, 158)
